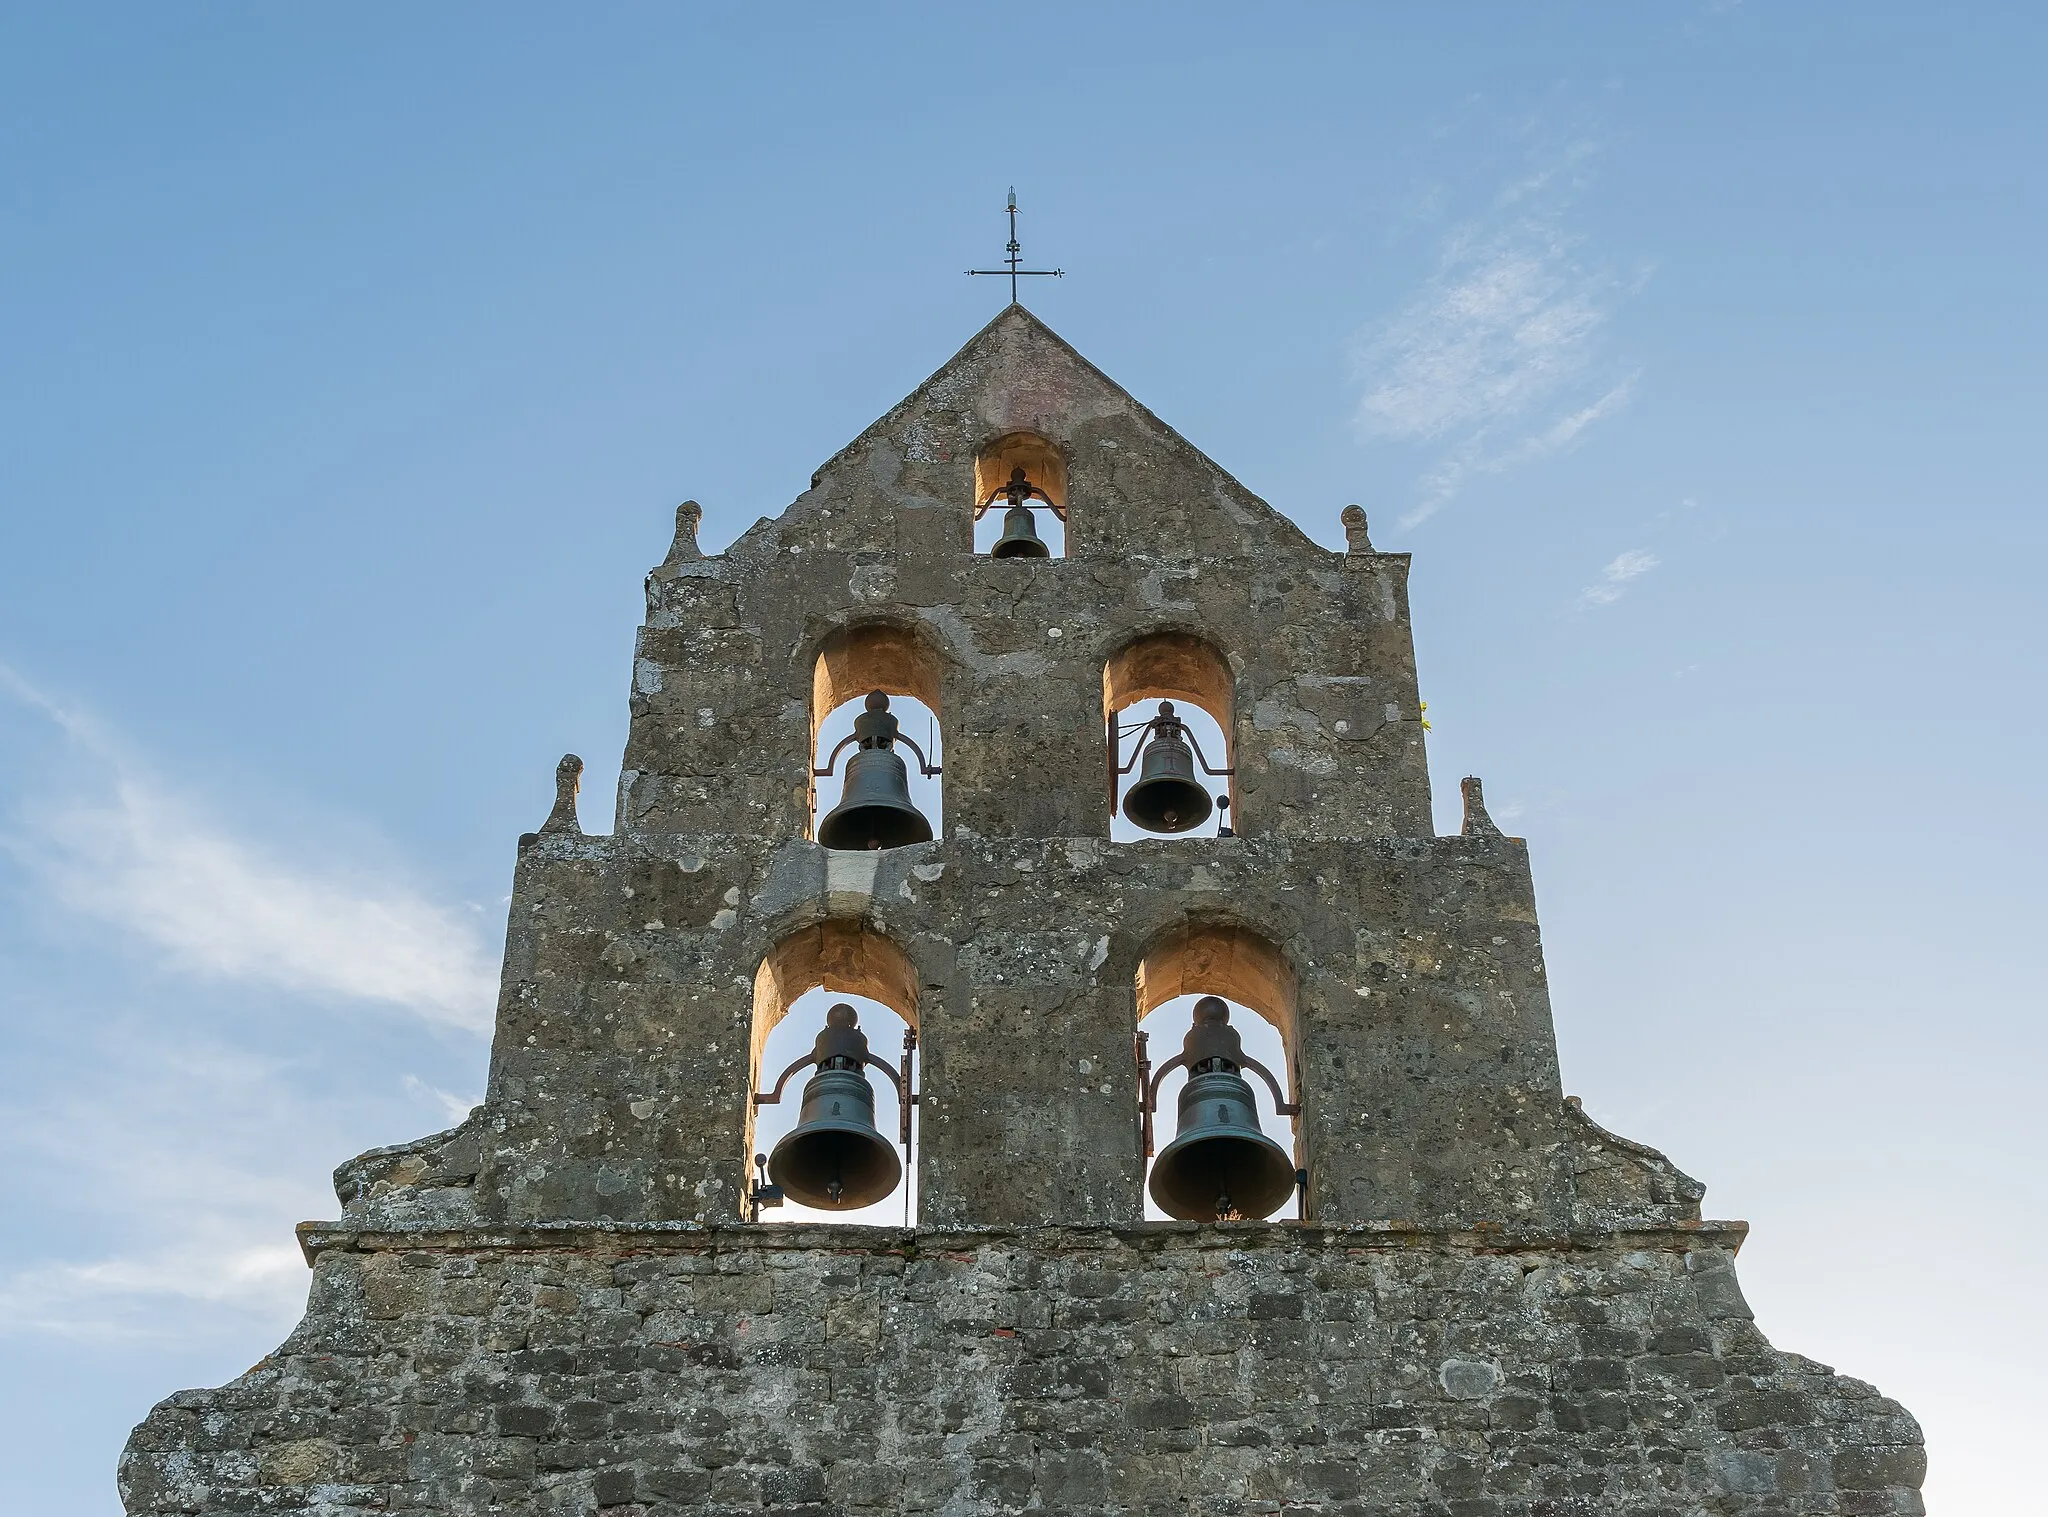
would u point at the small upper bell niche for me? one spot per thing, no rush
(1020, 498)
(875, 740)
(1217, 1094)
(835, 1053)
(1167, 700)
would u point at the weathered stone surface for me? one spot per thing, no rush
(1165, 1368)
(1495, 1308)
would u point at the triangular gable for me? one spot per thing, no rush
(1018, 375)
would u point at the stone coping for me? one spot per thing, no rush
(317, 1238)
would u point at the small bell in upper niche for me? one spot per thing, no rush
(1020, 537)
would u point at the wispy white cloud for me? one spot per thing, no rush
(1476, 457)
(160, 1157)
(128, 852)
(167, 1187)
(1615, 577)
(144, 1295)
(1502, 327)
(1497, 360)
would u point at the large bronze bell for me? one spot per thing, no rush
(875, 809)
(1221, 1165)
(1020, 537)
(834, 1159)
(1166, 796)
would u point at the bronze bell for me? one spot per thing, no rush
(1167, 797)
(1020, 537)
(1220, 1166)
(875, 809)
(834, 1159)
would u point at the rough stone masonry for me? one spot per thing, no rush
(1491, 1308)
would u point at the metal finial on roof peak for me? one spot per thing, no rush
(1015, 252)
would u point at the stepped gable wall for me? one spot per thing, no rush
(1495, 1308)
(1327, 735)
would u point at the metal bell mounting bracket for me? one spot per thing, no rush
(1019, 492)
(759, 1192)
(1149, 1079)
(884, 733)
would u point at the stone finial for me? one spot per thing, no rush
(1477, 823)
(684, 549)
(1356, 539)
(568, 780)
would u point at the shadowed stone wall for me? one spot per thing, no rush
(1218, 1370)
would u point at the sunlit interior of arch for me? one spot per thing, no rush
(902, 662)
(1181, 666)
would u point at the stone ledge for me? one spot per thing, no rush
(316, 1238)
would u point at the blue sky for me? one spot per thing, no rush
(354, 362)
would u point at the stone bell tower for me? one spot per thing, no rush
(1484, 1305)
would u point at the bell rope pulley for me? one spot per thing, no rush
(1167, 797)
(834, 1159)
(1020, 537)
(1221, 1166)
(875, 809)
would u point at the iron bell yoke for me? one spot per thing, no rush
(875, 809)
(1221, 1166)
(1020, 537)
(834, 1159)
(1167, 797)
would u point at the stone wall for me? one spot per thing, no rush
(1165, 1368)
(620, 1073)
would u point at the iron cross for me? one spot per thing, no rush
(1016, 251)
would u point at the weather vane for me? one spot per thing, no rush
(1016, 251)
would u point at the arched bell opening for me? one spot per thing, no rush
(1169, 709)
(1020, 498)
(875, 739)
(1218, 1086)
(828, 1139)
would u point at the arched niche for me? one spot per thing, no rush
(1220, 959)
(1192, 672)
(903, 662)
(1044, 466)
(843, 956)
(793, 986)
(1214, 958)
